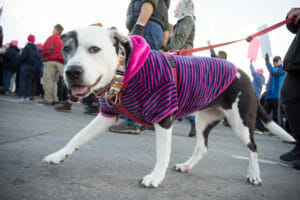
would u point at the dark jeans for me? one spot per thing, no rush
(25, 80)
(6, 76)
(292, 113)
(62, 90)
(36, 85)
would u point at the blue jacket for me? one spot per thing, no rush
(275, 81)
(258, 81)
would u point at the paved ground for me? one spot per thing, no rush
(110, 166)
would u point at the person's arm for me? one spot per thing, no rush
(165, 37)
(47, 46)
(253, 72)
(145, 14)
(184, 29)
(212, 51)
(295, 24)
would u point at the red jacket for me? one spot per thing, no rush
(53, 42)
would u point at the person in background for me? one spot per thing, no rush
(257, 83)
(10, 64)
(30, 61)
(38, 74)
(222, 55)
(258, 79)
(272, 98)
(183, 38)
(149, 19)
(52, 56)
(290, 93)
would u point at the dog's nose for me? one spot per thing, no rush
(74, 72)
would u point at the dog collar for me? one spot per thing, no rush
(118, 80)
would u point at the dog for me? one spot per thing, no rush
(92, 56)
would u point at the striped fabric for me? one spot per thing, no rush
(152, 94)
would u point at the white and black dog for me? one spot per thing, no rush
(92, 56)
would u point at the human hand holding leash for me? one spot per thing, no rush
(295, 13)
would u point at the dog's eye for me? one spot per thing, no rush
(94, 49)
(66, 49)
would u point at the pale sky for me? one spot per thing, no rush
(217, 20)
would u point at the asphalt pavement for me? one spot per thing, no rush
(110, 166)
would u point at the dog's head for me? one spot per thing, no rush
(91, 56)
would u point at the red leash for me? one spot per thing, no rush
(248, 39)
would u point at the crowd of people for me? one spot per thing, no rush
(37, 69)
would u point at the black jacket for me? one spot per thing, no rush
(31, 56)
(290, 91)
(159, 15)
(11, 58)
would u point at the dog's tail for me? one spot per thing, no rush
(272, 126)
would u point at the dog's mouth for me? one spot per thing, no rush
(79, 90)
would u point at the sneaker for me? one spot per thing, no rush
(26, 99)
(292, 155)
(66, 107)
(126, 128)
(21, 99)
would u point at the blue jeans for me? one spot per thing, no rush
(26, 75)
(6, 76)
(191, 119)
(153, 34)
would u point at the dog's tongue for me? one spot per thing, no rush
(77, 90)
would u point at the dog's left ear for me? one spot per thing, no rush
(118, 39)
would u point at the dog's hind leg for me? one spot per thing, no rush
(245, 134)
(205, 121)
(94, 128)
(163, 132)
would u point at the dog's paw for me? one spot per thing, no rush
(56, 158)
(254, 180)
(151, 181)
(182, 168)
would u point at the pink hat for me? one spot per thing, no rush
(14, 42)
(39, 46)
(31, 38)
(260, 71)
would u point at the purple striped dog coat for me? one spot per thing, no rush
(152, 94)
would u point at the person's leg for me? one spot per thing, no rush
(58, 67)
(22, 81)
(49, 72)
(153, 34)
(292, 113)
(12, 84)
(192, 119)
(6, 75)
(29, 80)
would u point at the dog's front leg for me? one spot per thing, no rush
(163, 152)
(94, 128)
